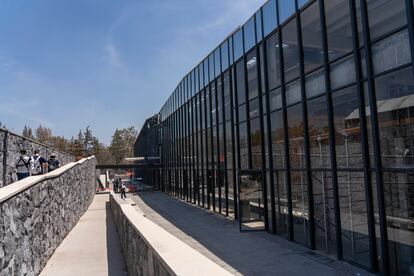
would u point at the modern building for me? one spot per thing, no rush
(301, 123)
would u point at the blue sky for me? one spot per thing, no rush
(104, 63)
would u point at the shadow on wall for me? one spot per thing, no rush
(113, 246)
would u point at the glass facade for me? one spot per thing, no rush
(302, 123)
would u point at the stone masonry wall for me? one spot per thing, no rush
(35, 221)
(139, 257)
(10, 146)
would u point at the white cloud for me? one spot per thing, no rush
(112, 54)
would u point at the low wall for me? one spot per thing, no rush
(10, 146)
(38, 212)
(150, 250)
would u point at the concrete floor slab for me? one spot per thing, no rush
(91, 248)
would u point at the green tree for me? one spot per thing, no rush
(122, 144)
(28, 132)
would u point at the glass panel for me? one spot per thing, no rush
(211, 66)
(391, 52)
(385, 16)
(347, 128)
(343, 72)
(241, 90)
(227, 96)
(238, 44)
(256, 143)
(290, 51)
(217, 68)
(219, 101)
(231, 199)
(244, 163)
(273, 61)
(224, 56)
(324, 212)
(318, 133)
(311, 37)
(254, 108)
(259, 31)
(293, 93)
(300, 206)
(354, 222)
(269, 17)
(281, 202)
(242, 113)
(395, 104)
(315, 84)
(278, 140)
(296, 133)
(249, 35)
(286, 9)
(201, 71)
(302, 2)
(206, 79)
(338, 27)
(213, 103)
(275, 98)
(252, 77)
(399, 204)
(229, 146)
(251, 202)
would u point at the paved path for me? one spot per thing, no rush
(91, 248)
(219, 239)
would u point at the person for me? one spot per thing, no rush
(22, 165)
(38, 164)
(53, 163)
(123, 191)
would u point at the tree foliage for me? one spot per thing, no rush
(86, 144)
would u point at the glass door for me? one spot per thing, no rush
(251, 201)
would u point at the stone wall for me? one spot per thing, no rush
(139, 257)
(38, 212)
(10, 146)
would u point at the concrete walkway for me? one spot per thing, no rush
(219, 239)
(91, 248)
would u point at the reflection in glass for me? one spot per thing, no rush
(256, 143)
(290, 50)
(238, 44)
(315, 83)
(293, 93)
(347, 128)
(269, 17)
(217, 63)
(391, 52)
(227, 96)
(275, 99)
(278, 140)
(252, 77)
(343, 72)
(338, 27)
(241, 90)
(251, 202)
(324, 212)
(318, 133)
(244, 163)
(311, 37)
(354, 221)
(296, 133)
(300, 206)
(273, 61)
(249, 35)
(225, 56)
(281, 202)
(385, 16)
(286, 9)
(395, 104)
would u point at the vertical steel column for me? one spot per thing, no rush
(306, 133)
(286, 134)
(376, 141)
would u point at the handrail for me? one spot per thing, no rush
(15, 188)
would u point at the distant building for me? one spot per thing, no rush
(301, 123)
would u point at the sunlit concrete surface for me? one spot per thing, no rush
(91, 248)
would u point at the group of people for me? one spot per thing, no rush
(34, 165)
